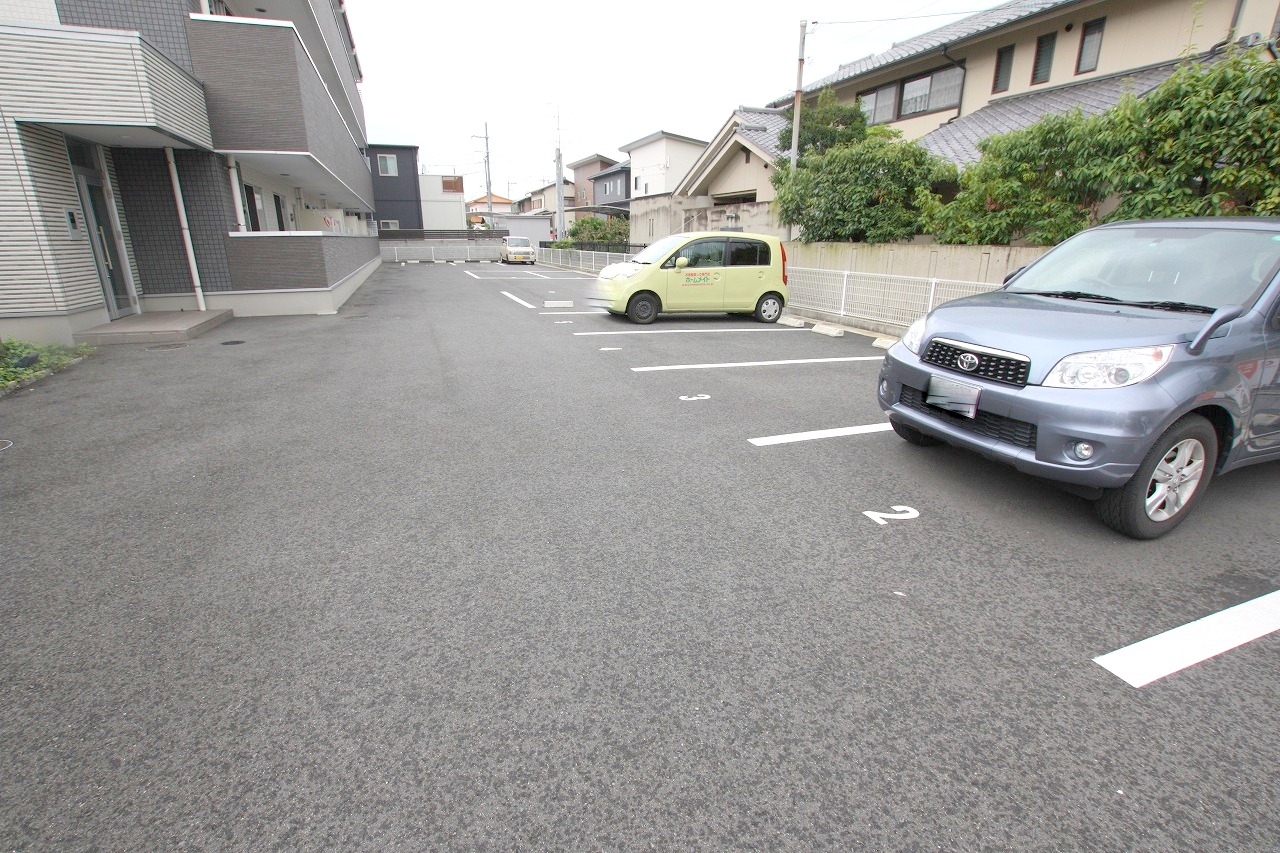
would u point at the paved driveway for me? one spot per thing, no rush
(446, 571)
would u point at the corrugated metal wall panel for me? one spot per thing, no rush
(64, 80)
(53, 189)
(178, 99)
(25, 286)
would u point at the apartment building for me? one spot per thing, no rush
(163, 155)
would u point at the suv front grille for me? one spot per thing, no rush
(1007, 368)
(999, 427)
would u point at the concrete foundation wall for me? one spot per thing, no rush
(928, 260)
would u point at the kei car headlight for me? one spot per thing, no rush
(911, 340)
(1111, 368)
(617, 275)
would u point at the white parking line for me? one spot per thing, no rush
(538, 274)
(757, 363)
(686, 331)
(1176, 649)
(518, 299)
(573, 312)
(470, 273)
(817, 433)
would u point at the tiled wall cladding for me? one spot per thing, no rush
(153, 218)
(161, 22)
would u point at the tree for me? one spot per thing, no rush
(866, 191)
(1202, 143)
(593, 229)
(825, 125)
(1040, 184)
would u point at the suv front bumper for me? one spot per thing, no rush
(1033, 428)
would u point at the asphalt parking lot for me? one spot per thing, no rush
(453, 569)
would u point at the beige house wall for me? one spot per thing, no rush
(737, 176)
(1137, 33)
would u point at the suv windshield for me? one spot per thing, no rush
(1174, 269)
(521, 242)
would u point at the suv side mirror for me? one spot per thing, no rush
(1220, 318)
(1012, 274)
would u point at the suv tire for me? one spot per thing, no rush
(1170, 480)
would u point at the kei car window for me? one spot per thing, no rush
(701, 253)
(748, 253)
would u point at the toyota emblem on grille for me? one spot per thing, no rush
(967, 361)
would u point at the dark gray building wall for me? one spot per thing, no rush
(251, 85)
(282, 263)
(264, 95)
(147, 195)
(161, 22)
(398, 197)
(602, 196)
(328, 137)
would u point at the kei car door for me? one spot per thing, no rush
(699, 285)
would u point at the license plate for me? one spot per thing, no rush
(958, 397)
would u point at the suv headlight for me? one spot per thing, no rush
(914, 335)
(1110, 368)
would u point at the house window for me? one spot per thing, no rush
(881, 105)
(388, 167)
(537, 204)
(451, 183)
(937, 91)
(1090, 46)
(388, 224)
(1004, 69)
(1044, 58)
(637, 186)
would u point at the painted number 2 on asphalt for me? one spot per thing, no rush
(903, 513)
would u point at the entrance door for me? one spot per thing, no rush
(106, 251)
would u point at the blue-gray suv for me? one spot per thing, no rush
(1133, 362)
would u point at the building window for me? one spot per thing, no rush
(937, 91)
(1044, 58)
(537, 204)
(1090, 46)
(1004, 69)
(637, 186)
(388, 224)
(451, 183)
(388, 167)
(881, 105)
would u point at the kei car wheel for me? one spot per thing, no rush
(913, 436)
(1169, 482)
(769, 308)
(643, 308)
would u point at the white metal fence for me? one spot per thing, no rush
(895, 300)
(441, 254)
(579, 260)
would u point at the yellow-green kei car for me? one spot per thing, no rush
(703, 271)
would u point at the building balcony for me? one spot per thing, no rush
(105, 86)
(270, 108)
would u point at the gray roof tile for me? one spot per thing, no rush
(958, 140)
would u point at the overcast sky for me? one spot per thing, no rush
(593, 76)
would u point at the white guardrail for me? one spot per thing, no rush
(895, 299)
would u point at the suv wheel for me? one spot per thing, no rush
(643, 308)
(1171, 479)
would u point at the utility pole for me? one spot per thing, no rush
(488, 188)
(795, 112)
(560, 233)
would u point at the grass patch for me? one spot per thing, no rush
(50, 357)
